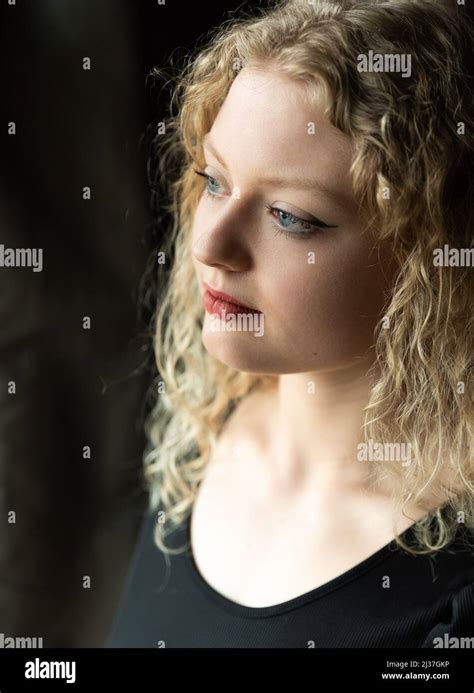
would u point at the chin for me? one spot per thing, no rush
(236, 350)
(245, 353)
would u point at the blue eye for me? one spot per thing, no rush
(290, 224)
(210, 181)
(294, 226)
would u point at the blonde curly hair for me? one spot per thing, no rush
(411, 136)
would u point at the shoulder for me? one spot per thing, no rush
(455, 628)
(454, 565)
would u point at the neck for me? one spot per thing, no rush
(317, 424)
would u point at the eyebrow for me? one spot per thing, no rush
(294, 182)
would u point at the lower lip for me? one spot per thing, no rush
(219, 307)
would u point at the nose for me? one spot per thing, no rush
(221, 243)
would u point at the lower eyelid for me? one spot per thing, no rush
(299, 235)
(210, 194)
(283, 231)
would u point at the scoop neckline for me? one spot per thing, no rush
(389, 549)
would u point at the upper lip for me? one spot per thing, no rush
(227, 297)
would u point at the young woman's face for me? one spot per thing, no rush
(320, 290)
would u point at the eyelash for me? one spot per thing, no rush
(296, 234)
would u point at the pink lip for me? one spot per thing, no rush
(219, 302)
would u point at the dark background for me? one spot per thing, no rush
(75, 387)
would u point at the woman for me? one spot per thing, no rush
(312, 436)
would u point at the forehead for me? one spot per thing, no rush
(268, 119)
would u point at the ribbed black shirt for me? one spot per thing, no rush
(391, 599)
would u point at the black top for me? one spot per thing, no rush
(390, 599)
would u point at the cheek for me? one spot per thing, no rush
(333, 304)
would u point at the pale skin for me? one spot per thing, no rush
(285, 506)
